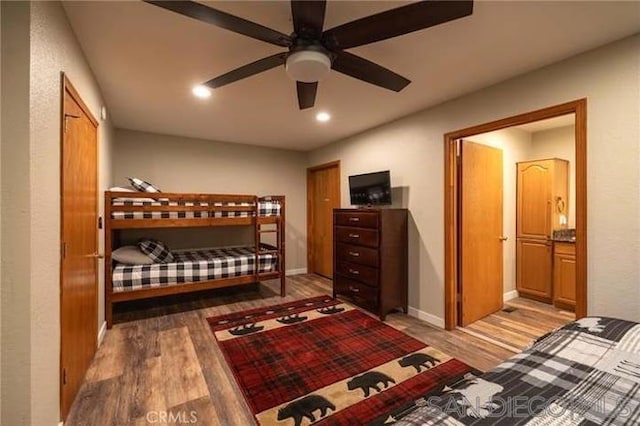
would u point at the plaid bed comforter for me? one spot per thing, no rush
(265, 208)
(585, 373)
(192, 266)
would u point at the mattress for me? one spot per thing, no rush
(265, 208)
(585, 373)
(192, 267)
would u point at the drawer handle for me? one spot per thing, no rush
(354, 289)
(354, 254)
(354, 235)
(354, 219)
(354, 271)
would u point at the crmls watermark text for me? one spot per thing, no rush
(172, 417)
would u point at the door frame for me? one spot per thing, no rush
(67, 86)
(577, 107)
(310, 218)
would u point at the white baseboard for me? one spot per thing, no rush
(296, 271)
(101, 333)
(428, 318)
(510, 295)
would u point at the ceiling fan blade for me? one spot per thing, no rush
(224, 20)
(306, 94)
(395, 22)
(362, 69)
(248, 70)
(308, 17)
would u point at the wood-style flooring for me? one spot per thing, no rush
(518, 329)
(161, 359)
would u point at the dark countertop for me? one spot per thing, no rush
(564, 236)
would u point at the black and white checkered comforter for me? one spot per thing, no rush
(192, 266)
(265, 208)
(585, 373)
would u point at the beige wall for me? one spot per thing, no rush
(515, 145)
(178, 164)
(15, 215)
(559, 143)
(412, 148)
(35, 233)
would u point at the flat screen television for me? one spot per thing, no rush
(370, 189)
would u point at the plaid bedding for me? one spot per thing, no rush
(265, 208)
(192, 266)
(585, 373)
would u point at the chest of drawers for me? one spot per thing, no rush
(370, 258)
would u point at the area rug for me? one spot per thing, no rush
(322, 361)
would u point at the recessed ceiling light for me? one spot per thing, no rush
(323, 116)
(201, 91)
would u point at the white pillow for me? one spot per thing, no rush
(131, 255)
(121, 189)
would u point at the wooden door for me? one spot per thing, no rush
(79, 245)
(533, 268)
(534, 199)
(480, 231)
(323, 195)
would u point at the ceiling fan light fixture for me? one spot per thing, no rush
(308, 66)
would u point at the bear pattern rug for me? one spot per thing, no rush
(322, 361)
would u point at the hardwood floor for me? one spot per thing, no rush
(161, 359)
(518, 329)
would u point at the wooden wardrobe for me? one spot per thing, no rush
(542, 201)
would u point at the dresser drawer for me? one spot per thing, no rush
(358, 219)
(357, 272)
(357, 291)
(357, 254)
(360, 236)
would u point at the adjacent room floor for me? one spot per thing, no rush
(519, 323)
(162, 357)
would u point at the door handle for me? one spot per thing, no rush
(97, 255)
(504, 238)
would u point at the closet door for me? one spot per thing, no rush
(323, 195)
(79, 246)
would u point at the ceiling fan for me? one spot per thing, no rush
(312, 52)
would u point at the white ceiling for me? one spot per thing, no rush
(147, 59)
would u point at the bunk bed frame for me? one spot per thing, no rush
(215, 203)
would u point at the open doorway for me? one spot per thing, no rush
(515, 204)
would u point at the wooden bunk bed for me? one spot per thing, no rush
(143, 210)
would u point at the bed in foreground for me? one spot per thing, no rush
(585, 373)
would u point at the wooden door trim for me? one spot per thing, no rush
(67, 87)
(310, 219)
(577, 107)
